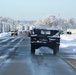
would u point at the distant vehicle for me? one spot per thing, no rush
(14, 33)
(68, 32)
(45, 37)
(72, 31)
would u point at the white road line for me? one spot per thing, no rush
(15, 39)
(4, 46)
(4, 40)
(3, 58)
(12, 49)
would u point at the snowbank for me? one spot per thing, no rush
(68, 40)
(68, 37)
(6, 34)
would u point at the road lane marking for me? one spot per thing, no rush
(74, 50)
(4, 60)
(4, 46)
(15, 39)
(4, 40)
(72, 65)
(12, 49)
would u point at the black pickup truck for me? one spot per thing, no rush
(47, 37)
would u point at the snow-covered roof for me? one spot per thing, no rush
(46, 28)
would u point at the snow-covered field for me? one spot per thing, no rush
(68, 45)
(68, 40)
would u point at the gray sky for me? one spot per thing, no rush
(36, 9)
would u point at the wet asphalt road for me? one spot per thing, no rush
(25, 63)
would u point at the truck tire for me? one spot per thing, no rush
(54, 52)
(56, 49)
(32, 49)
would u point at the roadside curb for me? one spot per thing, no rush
(72, 65)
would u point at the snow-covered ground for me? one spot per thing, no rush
(68, 40)
(4, 35)
(68, 46)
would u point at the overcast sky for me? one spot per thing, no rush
(36, 9)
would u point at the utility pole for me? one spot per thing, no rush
(59, 15)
